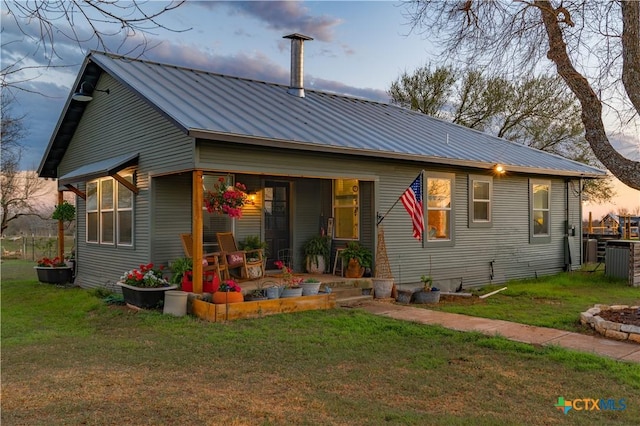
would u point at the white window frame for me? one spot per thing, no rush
(473, 221)
(428, 239)
(539, 238)
(114, 209)
(118, 209)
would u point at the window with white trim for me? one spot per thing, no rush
(439, 191)
(346, 210)
(480, 201)
(109, 212)
(540, 211)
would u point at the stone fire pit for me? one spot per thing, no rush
(620, 322)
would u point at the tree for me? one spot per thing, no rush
(585, 40)
(535, 111)
(18, 190)
(46, 25)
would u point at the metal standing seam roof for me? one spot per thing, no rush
(209, 105)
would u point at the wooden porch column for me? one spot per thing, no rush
(196, 229)
(60, 228)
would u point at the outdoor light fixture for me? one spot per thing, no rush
(499, 169)
(86, 90)
(251, 199)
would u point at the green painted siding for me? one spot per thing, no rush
(112, 125)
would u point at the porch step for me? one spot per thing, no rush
(345, 292)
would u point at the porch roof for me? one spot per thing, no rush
(99, 169)
(212, 106)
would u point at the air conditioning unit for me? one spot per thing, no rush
(618, 259)
(591, 251)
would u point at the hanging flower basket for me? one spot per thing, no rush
(226, 199)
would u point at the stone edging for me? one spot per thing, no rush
(613, 330)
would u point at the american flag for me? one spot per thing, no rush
(412, 202)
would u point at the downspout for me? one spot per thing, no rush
(60, 228)
(581, 244)
(567, 226)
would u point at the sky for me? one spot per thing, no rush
(359, 49)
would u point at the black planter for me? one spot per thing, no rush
(145, 297)
(60, 275)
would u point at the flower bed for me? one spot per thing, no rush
(598, 318)
(232, 311)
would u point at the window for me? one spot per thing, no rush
(480, 201)
(125, 214)
(540, 206)
(346, 210)
(109, 212)
(439, 198)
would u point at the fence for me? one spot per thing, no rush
(34, 247)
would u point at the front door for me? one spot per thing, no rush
(277, 232)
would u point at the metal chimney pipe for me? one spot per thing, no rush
(296, 87)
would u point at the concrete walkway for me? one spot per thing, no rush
(623, 351)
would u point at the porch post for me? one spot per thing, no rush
(196, 229)
(60, 228)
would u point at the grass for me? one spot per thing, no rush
(68, 358)
(551, 301)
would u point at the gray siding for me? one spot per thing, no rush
(124, 124)
(478, 256)
(171, 216)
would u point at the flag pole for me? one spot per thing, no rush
(380, 218)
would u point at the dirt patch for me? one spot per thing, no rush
(627, 316)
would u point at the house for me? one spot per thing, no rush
(625, 226)
(137, 141)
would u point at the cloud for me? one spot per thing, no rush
(282, 16)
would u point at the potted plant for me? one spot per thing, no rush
(53, 271)
(226, 199)
(228, 292)
(310, 286)
(316, 251)
(144, 287)
(180, 267)
(428, 293)
(357, 258)
(290, 282)
(65, 212)
(257, 293)
(252, 243)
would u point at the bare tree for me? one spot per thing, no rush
(574, 35)
(18, 190)
(46, 25)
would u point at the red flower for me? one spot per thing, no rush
(225, 199)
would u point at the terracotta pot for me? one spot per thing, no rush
(223, 297)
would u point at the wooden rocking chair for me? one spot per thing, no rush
(239, 259)
(213, 259)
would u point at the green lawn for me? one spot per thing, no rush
(68, 358)
(552, 301)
